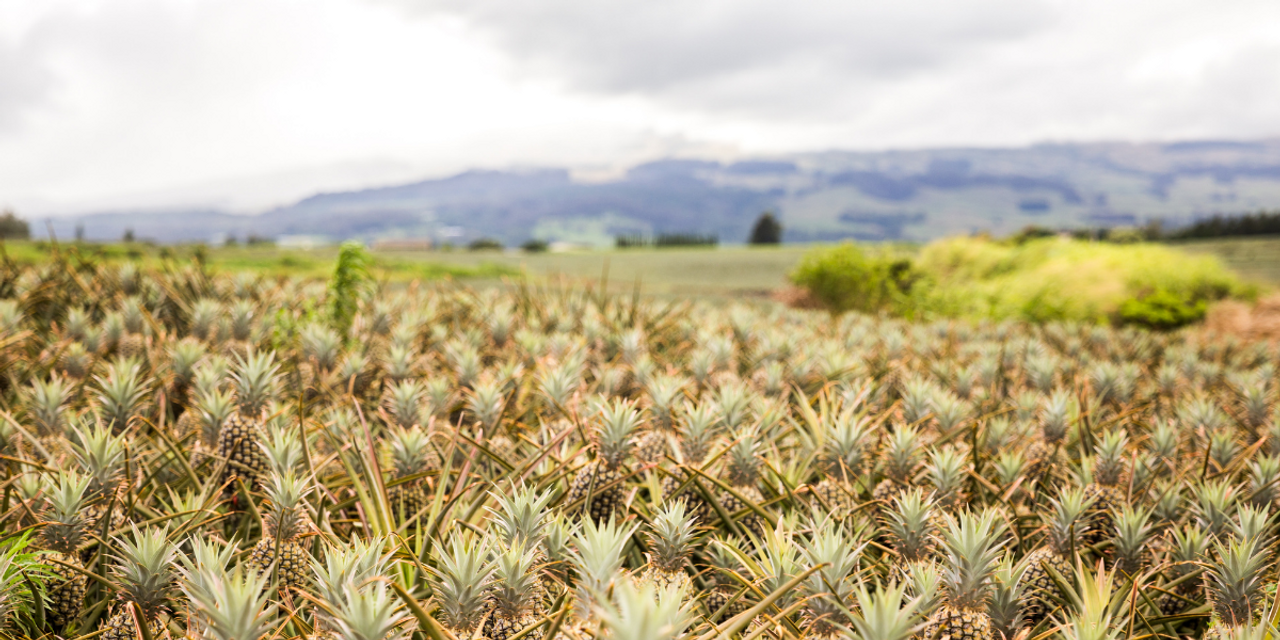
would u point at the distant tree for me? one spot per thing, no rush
(484, 244)
(80, 232)
(767, 230)
(534, 245)
(13, 228)
(128, 235)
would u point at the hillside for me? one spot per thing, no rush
(891, 195)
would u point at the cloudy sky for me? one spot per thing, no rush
(245, 104)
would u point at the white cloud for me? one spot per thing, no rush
(250, 103)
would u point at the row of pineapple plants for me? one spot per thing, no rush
(189, 454)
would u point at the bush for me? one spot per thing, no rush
(484, 244)
(13, 228)
(1058, 279)
(534, 245)
(846, 278)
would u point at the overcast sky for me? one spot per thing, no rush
(246, 104)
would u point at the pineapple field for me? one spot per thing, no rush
(187, 453)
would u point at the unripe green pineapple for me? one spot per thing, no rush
(1234, 582)
(972, 551)
(204, 419)
(240, 318)
(184, 357)
(121, 395)
(911, 526)
(1044, 457)
(65, 526)
(410, 453)
(1105, 492)
(652, 445)
(845, 457)
(460, 581)
(100, 455)
(830, 588)
(670, 540)
(239, 439)
(900, 459)
(695, 433)
(74, 361)
(284, 524)
(1064, 527)
(597, 488)
(144, 571)
(514, 598)
(1187, 546)
(1133, 532)
(742, 474)
(722, 562)
(132, 343)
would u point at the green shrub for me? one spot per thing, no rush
(1037, 280)
(846, 278)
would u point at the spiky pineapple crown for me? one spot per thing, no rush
(64, 518)
(698, 431)
(1186, 546)
(241, 315)
(1055, 418)
(847, 447)
(521, 517)
(46, 402)
(409, 451)
(183, 358)
(947, 472)
(642, 611)
(282, 447)
(144, 570)
(1064, 522)
(461, 580)
(1253, 523)
(613, 433)
(973, 548)
(403, 402)
(255, 382)
(1006, 605)
(901, 455)
(883, 613)
(120, 393)
(131, 312)
(831, 547)
(485, 402)
(1109, 466)
(320, 345)
(1133, 531)
(233, 605)
(671, 537)
(1234, 580)
(743, 465)
(286, 516)
(597, 559)
(512, 591)
(910, 525)
(100, 455)
(349, 567)
(214, 408)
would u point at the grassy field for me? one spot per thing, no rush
(725, 271)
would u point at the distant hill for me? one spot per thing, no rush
(889, 195)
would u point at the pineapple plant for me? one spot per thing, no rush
(972, 551)
(514, 599)
(1130, 543)
(285, 524)
(830, 588)
(132, 344)
(843, 460)
(411, 454)
(101, 456)
(597, 488)
(742, 474)
(884, 613)
(911, 527)
(670, 541)
(900, 459)
(239, 439)
(1187, 546)
(1062, 528)
(65, 526)
(144, 571)
(597, 559)
(948, 472)
(644, 611)
(460, 581)
(1105, 494)
(1044, 457)
(1234, 583)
